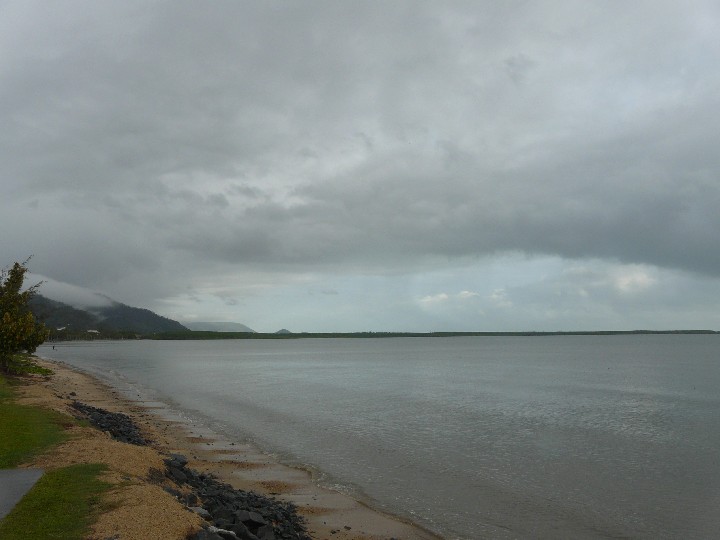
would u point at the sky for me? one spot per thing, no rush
(369, 166)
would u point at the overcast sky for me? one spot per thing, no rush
(341, 166)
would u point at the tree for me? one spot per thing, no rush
(19, 331)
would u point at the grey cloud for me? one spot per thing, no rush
(163, 138)
(518, 67)
(602, 295)
(71, 294)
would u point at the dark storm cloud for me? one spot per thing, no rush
(147, 142)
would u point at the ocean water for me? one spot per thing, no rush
(471, 437)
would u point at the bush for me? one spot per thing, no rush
(19, 331)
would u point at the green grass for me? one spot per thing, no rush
(61, 505)
(24, 364)
(65, 501)
(25, 431)
(5, 391)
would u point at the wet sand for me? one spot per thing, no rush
(330, 514)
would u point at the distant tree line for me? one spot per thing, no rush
(205, 335)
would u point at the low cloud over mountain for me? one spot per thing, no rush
(113, 317)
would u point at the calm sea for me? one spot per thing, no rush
(472, 437)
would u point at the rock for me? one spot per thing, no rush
(236, 513)
(243, 532)
(265, 533)
(225, 513)
(204, 534)
(174, 492)
(223, 533)
(177, 475)
(222, 523)
(257, 519)
(119, 426)
(251, 519)
(179, 459)
(200, 511)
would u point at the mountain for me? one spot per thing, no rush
(143, 321)
(58, 315)
(217, 326)
(110, 317)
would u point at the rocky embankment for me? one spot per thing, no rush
(229, 513)
(119, 425)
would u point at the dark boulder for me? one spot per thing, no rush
(236, 513)
(120, 426)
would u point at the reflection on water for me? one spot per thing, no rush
(567, 436)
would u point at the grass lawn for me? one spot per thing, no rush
(61, 505)
(5, 391)
(25, 431)
(65, 501)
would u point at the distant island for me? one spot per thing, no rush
(217, 326)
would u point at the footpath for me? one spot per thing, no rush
(14, 484)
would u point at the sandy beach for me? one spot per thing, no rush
(141, 509)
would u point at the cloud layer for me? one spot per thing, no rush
(182, 150)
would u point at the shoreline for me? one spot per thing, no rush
(330, 514)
